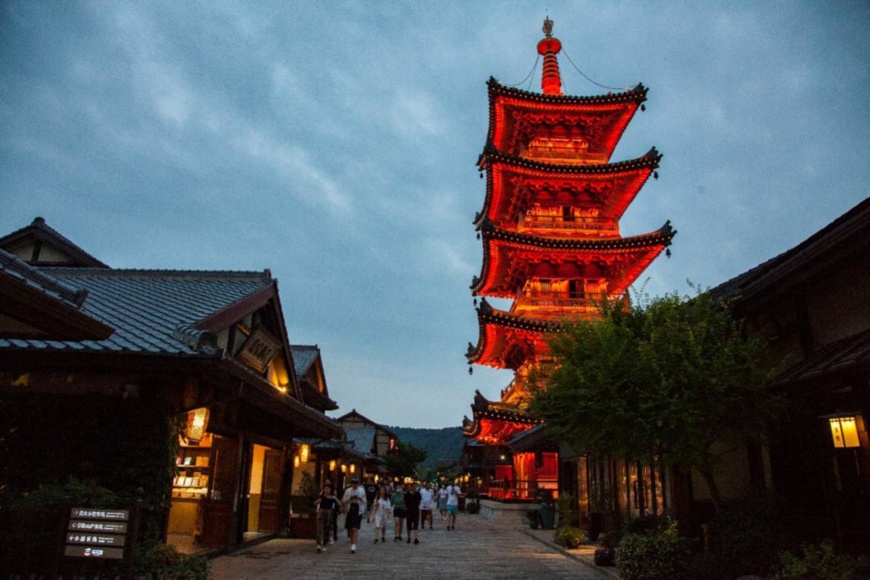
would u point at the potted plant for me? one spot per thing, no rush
(534, 517)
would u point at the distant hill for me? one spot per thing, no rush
(443, 445)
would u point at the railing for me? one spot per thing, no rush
(556, 299)
(521, 490)
(546, 222)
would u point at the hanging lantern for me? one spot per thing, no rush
(332, 465)
(295, 461)
(344, 468)
(197, 422)
(352, 468)
(304, 450)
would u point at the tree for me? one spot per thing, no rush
(664, 382)
(403, 463)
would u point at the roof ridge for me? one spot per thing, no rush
(265, 275)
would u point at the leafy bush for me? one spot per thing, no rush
(570, 537)
(472, 507)
(748, 533)
(565, 508)
(30, 526)
(658, 553)
(819, 562)
(163, 561)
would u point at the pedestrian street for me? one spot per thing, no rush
(476, 549)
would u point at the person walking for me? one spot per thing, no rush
(326, 504)
(412, 512)
(382, 510)
(398, 501)
(427, 502)
(453, 493)
(371, 494)
(442, 501)
(354, 501)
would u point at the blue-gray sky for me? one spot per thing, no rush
(335, 144)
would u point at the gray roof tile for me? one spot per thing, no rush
(147, 307)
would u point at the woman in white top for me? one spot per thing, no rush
(382, 510)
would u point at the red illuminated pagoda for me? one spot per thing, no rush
(551, 238)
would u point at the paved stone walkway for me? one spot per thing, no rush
(476, 549)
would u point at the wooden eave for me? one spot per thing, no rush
(502, 249)
(613, 111)
(617, 184)
(265, 298)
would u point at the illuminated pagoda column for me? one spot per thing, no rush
(551, 239)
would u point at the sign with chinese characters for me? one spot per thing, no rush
(259, 350)
(96, 533)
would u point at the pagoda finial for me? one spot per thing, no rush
(548, 27)
(549, 47)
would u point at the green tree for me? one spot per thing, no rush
(668, 381)
(403, 463)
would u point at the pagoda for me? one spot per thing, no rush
(551, 238)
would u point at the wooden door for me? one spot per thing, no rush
(273, 466)
(218, 509)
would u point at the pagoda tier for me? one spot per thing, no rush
(559, 128)
(508, 339)
(495, 423)
(561, 200)
(515, 263)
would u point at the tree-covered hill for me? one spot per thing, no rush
(442, 445)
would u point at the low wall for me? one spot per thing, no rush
(511, 514)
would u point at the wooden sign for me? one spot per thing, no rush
(259, 349)
(96, 533)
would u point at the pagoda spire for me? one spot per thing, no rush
(549, 47)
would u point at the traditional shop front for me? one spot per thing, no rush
(158, 361)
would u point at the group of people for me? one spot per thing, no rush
(406, 507)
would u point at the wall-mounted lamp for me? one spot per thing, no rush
(352, 468)
(304, 450)
(332, 465)
(844, 431)
(295, 461)
(344, 468)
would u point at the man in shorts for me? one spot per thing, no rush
(453, 493)
(427, 503)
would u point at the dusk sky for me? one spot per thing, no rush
(335, 143)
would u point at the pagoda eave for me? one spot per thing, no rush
(505, 252)
(610, 114)
(508, 340)
(496, 423)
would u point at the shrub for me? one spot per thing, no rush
(163, 561)
(565, 509)
(570, 537)
(819, 562)
(748, 533)
(472, 507)
(654, 554)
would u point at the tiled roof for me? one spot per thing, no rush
(779, 271)
(41, 231)
(843, 356)
(362, 437)
(303, 357)
(152, 311)
(45, 283)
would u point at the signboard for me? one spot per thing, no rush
(96, 533)
(259, 349)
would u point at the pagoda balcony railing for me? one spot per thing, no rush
(568, 155)
(522, 490)
(590, 224)
(559, 300)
